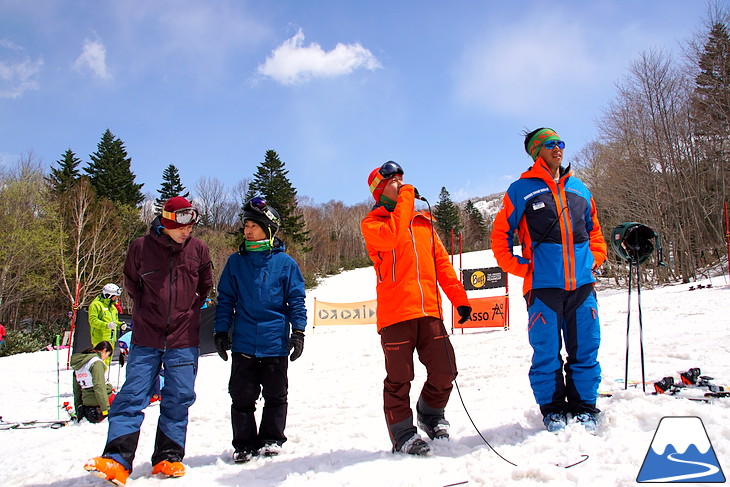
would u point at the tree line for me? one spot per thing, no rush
(663, 155)
(662, 159)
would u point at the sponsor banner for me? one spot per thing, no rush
(485, 278)
(360, 313)
(486, 312)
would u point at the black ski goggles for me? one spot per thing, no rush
(390, 169)
(259, 204)
(183, 216)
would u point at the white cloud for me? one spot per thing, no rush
(93, 59)
(17, 77)
(293, 63)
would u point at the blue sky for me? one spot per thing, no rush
(335, 87)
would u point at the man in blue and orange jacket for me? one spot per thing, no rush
(555, 218)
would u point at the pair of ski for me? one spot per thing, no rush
(691, 379)
(24, 425)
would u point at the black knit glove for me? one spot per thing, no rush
(222, 344)
(296, 341)
(465, 313)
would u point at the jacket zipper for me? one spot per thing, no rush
(418, 267)
(570, 277)
(169, 303)
(392, 270)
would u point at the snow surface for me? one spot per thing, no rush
(336, 429)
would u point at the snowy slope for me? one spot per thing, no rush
(336, 430)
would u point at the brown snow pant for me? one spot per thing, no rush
(428, 336)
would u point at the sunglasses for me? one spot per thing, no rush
(183, 216)
(260, 205)
(550, 144)
(390, 169)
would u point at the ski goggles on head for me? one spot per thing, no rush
(183, 216)
(259, 204)
(390, 169)
(551, 144)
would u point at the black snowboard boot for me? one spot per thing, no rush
(432, 421)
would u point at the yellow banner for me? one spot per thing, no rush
(360, 313)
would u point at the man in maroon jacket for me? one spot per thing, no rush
(168, 275)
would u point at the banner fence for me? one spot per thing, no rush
(359, 313)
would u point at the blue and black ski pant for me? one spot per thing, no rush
(178, 394)
(556, 315)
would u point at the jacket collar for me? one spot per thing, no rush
(540, 170)
(164, 239)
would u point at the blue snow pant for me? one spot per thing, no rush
(126, 416)
(556, 315)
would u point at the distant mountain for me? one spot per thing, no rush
(488, 206)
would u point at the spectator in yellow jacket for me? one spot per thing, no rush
(104, 317)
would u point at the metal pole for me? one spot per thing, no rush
(628, 323)
(641, 325)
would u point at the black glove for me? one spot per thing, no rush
(222, 344)
(296, 341)
(79, 414)
(465, 313)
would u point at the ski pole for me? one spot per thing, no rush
(58, 379)
(628, 324)
(121, 364)
(641, 325)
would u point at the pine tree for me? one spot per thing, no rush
(171, 186)
(110, 172)
(66, 174)
(271, 183)
(475, 228)
(712, 92)
(447, 217)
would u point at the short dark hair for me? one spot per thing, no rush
(102, 346)
(529, 136)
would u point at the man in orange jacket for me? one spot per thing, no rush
(556, 219)
(402, 244)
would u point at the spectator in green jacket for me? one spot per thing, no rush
(91, 391)
(104, 317)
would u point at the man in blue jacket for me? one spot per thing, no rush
(260, 293)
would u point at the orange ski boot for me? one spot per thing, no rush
(107, 469)
(168, 468)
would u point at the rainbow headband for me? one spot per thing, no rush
(376, 182)
(537, 140)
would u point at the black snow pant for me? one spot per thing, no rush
(251, 377)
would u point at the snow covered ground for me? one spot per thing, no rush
(336, 429)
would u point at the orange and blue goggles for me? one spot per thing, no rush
(550, 144)
(183, 216)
